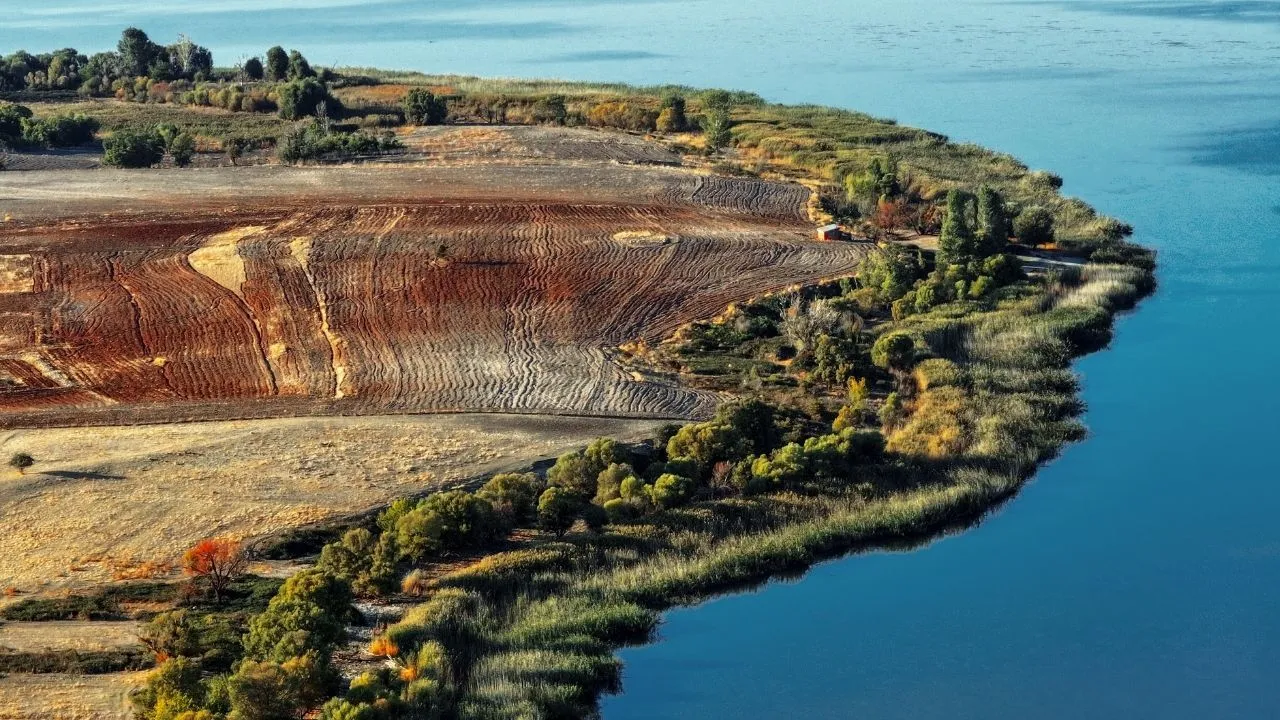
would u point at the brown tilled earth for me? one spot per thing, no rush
(255, 343)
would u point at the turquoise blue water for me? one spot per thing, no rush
(1138, 576)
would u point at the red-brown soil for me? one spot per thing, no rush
(160, 296)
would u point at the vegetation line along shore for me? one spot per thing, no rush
(884, 407)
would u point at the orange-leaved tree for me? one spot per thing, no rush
(218, 560)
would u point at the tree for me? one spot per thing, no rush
(21, 461)
(557, 509)
(672, 118)
(956, 245)
(11, 123)
(182, 148)
(573, 472)
(279, 690)
(234, 147)
(302, 98)
(137, 52)
(173, 688)
(277, 64)
(299, 68)
(609, 482)
(993, 223)
(1034, 226)
(309, 612)
(513, 493)
(716, 127)
(190, 60)
(755, 420)
(422, 107)
(894, 352)
(219, 561)
(671, 490)
(891, 271)
(551, 109)
(253, 69)
(130, 149)
(707, 444)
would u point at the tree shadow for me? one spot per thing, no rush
(80, 475)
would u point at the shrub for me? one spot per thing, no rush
(609, 482)
(707, 444)
(894, 352)
(446, 521)
(60, 131)
(672, 118)
(182, 148)
(302, 98)
(514, 494)
(557, 510)
(551, 110)
(310, 611)
(938, 372)
(1034, 226)
(621, 115)
(422, 107)
(129, 149)
(671, 490)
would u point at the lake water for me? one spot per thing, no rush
(1138, 576)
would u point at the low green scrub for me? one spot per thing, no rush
(78, 662)
(106, 603)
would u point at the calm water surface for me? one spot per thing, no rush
(1138, 576)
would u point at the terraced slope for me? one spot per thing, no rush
(415, 289)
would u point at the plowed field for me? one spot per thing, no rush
(161, 296)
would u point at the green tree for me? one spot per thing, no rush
(309, 612)
(552, 109)
(707, 444)
(277, 64)
(253, 69)
(609, 482)
(137, 52)
(833, 360)
(132, 149)
(21, 461)
(302, 98)
(673, 117)
(11, 123)
(299, 68)
(993, 223)
(575, 473)
(182, 148)
(557, 509)
(1034, 226)
(894, 352)
(422, 107)
(671, 490)
(957, 243)
(891, 271)
(755, 420)
(263, 690)
(513, 493)
(172, 688)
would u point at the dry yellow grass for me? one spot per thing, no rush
(30, 637)
(102, 499)
(67, 697)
